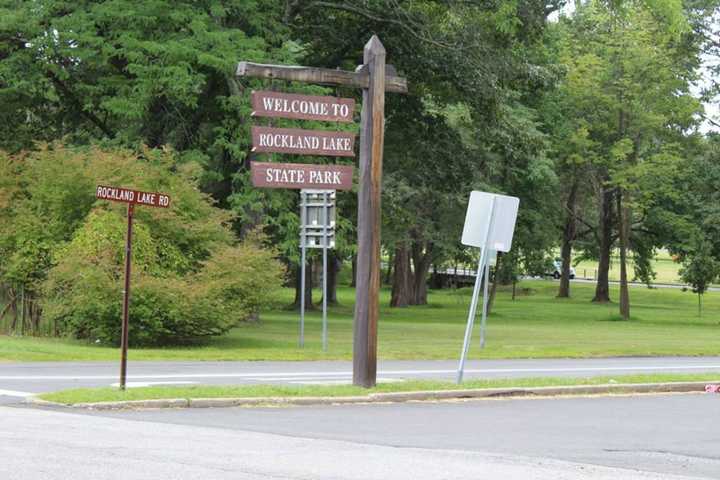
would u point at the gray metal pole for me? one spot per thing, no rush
(471, 316)
(483, 321)
(326, 225)
(303, 199)
(473, 303)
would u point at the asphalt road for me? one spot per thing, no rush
(641, 437)
(18, 380)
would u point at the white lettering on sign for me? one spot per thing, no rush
(283, 175)
(118, 194)
(132, 196)
(306, 107)
(307, 142)
(289, 141)
(324, 177)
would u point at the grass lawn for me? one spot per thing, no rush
(536, 324)
(107, 394)
(666, 270)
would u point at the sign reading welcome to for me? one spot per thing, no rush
(303, 142)
(302, 107)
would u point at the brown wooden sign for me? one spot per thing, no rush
(300, 175)
(302, 107)
(135, 197)
(303, 142)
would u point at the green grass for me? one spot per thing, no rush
(106, 394)
(536, 324)
(666, 270)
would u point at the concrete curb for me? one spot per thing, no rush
(395, 397)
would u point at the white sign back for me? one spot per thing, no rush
(478, 224)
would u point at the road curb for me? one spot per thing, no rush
(395, 397)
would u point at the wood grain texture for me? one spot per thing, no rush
(367, 307)
(321, 76)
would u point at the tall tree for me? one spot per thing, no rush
(632, 117)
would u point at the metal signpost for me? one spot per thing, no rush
(317, 230)
(132, 198)
(489, 225)
(375, 78)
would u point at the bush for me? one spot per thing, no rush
(84, 290)
(190, 277)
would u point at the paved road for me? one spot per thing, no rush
(21, 380)
(643, 437)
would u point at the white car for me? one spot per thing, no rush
(557, 273)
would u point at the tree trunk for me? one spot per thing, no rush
(494, 279)
(700, 304)
(567, 241)
(353, 275)
(422, 259)
(623, 236)
(308, 286)
(401, 281)
(388, 271)
(602, 289)
(334, 265)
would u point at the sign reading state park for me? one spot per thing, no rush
(298, 175)
(302, 107)
(134, 197)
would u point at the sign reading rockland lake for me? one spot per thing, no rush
(303, 142)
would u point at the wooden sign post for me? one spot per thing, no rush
(375, 78)
(132, 198)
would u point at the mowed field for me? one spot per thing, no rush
(665, 268)
(536, 324)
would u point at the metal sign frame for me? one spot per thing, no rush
(485, 228)
(322, 202)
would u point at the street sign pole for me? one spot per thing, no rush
(484, 254)
(367, 303)
(132, 198)
(126, 298)
(303, 240)
(325, 226)
(489, 225)
(483, 320)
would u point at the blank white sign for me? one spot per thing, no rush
(478, 227)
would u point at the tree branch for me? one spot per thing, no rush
(72, 98)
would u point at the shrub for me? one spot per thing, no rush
(190, 277)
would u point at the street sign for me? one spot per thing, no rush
(132, 198)
(375, 77)
(489, 224)
(118, 194)
(300, 175)
(303, 142)
(480, 231)
(302, 107)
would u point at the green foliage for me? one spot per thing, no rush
(700, 268)
(190, 278)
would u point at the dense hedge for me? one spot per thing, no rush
(191, 276)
